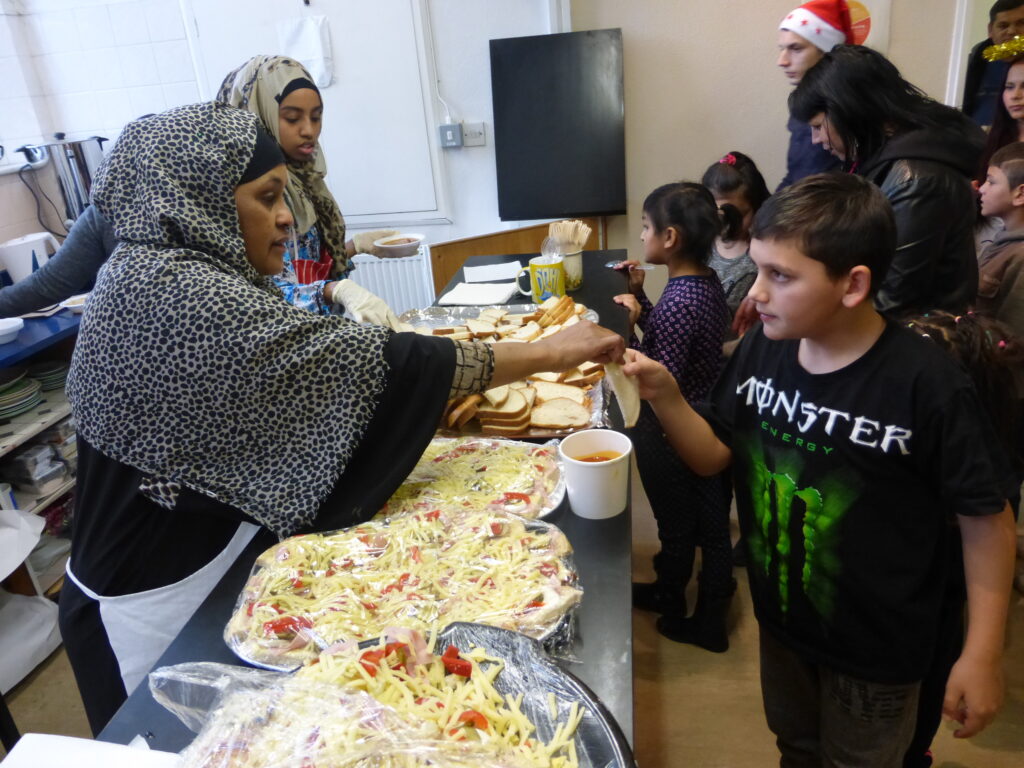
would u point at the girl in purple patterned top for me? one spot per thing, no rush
(684, 332)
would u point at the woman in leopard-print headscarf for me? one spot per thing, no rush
(282, 94)
(208, 406)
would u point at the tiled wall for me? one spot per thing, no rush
(84, 68)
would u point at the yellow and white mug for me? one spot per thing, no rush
(547, 278)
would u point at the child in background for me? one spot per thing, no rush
(684, 332)
(991, 356)
(735, 182)
(853, 444)
(1001, 262)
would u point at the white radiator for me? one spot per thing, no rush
(403, 283)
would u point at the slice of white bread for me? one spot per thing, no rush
(492, 315)
(544, 376)
(547, 390)
(550, 303)
(528, 332)
(512, 408)
(572, 373)
(506, 428)
(550, 331)
(584, 381)
(464, 411)
(497, 396)
(571, 321)
(519, 385)
(559, 413)
(530, 394)
(480, 327)
(590, 367)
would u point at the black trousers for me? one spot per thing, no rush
(691, 511)
(92, 659)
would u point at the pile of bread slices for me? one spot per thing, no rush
(545, 401)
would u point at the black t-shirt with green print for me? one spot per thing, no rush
(848, 485)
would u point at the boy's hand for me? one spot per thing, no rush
(974, 694)
(628, 300)
(656, 383)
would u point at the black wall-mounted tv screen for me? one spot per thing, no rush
(559, 132)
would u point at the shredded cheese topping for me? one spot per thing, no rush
(388, 706)
(482, 473)
(422, 570)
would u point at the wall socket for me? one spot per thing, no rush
(451, 135)
(473, 134)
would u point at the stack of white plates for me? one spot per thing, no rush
(22, 396)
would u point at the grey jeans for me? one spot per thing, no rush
(824, 719)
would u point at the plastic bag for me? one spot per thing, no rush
(421, 571)
(518, 708)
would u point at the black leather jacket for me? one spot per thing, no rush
(925, 174)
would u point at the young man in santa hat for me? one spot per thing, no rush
(805, 35)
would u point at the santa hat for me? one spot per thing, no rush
(823, 23)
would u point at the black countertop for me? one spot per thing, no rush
(603, 649)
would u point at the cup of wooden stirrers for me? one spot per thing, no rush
(571, 236)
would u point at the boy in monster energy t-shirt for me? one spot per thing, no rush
(856, 446)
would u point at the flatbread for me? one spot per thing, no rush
(627, 392)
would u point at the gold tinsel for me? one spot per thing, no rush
(1007, 50)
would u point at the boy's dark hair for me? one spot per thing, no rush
(866, 101)
(736, 171)
(1010, 160)
(1002, 6)
(839, 219)
(691, 209)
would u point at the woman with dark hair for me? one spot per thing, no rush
(1008, 120)
(921, 154)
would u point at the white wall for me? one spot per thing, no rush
(700, 80)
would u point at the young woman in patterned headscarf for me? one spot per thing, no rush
(282, 94)
(207, 406)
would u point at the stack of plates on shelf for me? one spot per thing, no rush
(22, 396)
(51, 375)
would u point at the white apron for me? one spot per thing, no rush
(141, 625)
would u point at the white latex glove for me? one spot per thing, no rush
(364, 306)
(363, 241)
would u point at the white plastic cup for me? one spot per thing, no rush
(596, 489)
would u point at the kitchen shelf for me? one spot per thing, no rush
(34, 503)
(20, 429)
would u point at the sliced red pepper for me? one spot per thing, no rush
(286, 625)
(371, 660)
(433, 514)
(520, 497)
(474, 718)
(400, 652)
(368, 606)
(548, 569)
(497, 529)
(535, 604)
(414, 553)
(402, 583)
(298, 583)
(454, 665)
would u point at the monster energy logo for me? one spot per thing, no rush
(777, 502)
